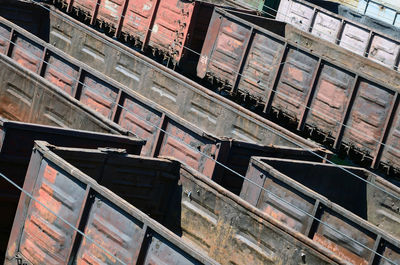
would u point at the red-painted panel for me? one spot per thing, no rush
(176, 144)
(261, 65)
(115, 231)
(85, 6)
(295, 83)
(98, 95)
(227, 51)
(368, 116)
(138, 18)
(27, 53)
(331, 96)
(139, 119)
(342, 245)
(45, 238)
(171, 25)
(110, 11)
(61, 73)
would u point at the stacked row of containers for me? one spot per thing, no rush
(381, 242)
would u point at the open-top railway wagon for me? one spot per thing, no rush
(349, 103)
(127, 67)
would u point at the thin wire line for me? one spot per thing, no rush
(238, 174)
(287, 96)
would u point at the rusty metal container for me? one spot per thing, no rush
(16, 143)
(295, 74)
(337, 198)
(346, 33)
(40, 238)
(206, 217)
(210, 112)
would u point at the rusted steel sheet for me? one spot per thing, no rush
(325, 192)
(40, 238)
(346, 33)
(204, 215)
(312, 85)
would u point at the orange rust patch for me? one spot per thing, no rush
(340, 251)
(50, 174)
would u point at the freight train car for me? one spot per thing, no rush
(353, 104)
(213, 221)
(344, 32)
(209, 111)
(127, 67)
(119, 233)
(387, 11)
(321, 190)
(16, 144)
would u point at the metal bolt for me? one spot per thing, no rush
(261, 175)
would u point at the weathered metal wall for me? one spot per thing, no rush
(346, 33)
(351, 103)
(210, 112)
(320, 191)
(165, 133)
(214, 221)
(123, 230)
(376, 24)
(16, 143)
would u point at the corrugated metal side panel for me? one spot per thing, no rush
(138, 17)
(98, 95)
(176, 142)
(295, 83)
(4, 36)
(227, 51)
(170, 27)
(384, 209)
(368, 116)
(136, 117)
(27, 53)
(354, 38)
(48, 107)
(86, 6)
(384, 50)
(391, 150)
(275, 207)
(16, 95)
(326, 27)
(61, 73)
(332, 94)
(112, 229)
(341, 245)
(161, 251)
(110, 11)
(261, 65)
(45, 239)
(296, 13)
